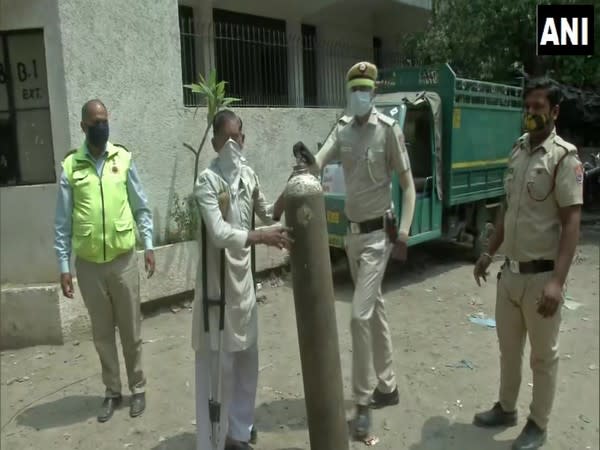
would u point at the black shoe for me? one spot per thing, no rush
(495, 417)
(138, 404)
(381, 400)
(362, 422)
(253, 435)
(532, 437)
(108, 408)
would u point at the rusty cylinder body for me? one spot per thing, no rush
(315, 313)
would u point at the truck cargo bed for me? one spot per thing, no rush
(480, 123)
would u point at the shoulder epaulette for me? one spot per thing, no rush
(564, 144)
(122, 146)
(386, 119)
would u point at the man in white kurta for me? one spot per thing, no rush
(228, 194)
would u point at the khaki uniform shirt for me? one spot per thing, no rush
(369, 154)
(228, 230)
(531, 221)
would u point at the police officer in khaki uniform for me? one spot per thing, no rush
(371, 147)
(539, 231)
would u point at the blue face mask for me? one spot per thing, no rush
(97, 134)
(359, 103)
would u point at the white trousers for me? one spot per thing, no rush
(239, 379)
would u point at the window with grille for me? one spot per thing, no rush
(251, 55)
(26, 151)
(187, 31)
(309, 64)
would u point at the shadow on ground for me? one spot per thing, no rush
(279, 415)
(61, 412)
(285, 414)
(187, 441)
(183, 441)
(439, 434)
(424, 261)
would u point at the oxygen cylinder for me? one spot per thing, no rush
(315, 312)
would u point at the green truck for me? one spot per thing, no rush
(458, 133)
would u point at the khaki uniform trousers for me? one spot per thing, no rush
(111, 293)
(368, 255)
(517, 316)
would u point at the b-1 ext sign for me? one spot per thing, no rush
(565, 29)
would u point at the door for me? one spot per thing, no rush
(417, 125)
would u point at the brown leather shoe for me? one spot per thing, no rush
(108, 408)
(138, 404)
(495, 417)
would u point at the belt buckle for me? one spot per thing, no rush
(354, 228)
(513, 266)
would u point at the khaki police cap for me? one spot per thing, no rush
(362, 74)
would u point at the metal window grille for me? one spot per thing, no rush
(264, 65)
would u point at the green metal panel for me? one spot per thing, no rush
(424, 237)
(480, 122)
(439, 79)
(481, 140)
(337, 223)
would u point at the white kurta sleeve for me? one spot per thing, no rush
(262, 208)
(222, 234)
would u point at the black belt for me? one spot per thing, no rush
(530, 267)
(368, 226)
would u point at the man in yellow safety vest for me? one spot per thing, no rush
(100, 199)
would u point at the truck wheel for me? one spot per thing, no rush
(484, 229)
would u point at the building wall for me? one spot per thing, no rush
(343, 36)
(111, 53)
(392, 27)
(26, 212)
(136, 70)
(270, 135)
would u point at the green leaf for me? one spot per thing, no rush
(196, 88)
(229, 101)
(220, 89)
(212, 79)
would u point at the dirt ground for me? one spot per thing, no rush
(447, 369)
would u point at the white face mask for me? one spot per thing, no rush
(231, 161)
(359, 103)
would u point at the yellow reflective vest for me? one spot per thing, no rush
(103, 224)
